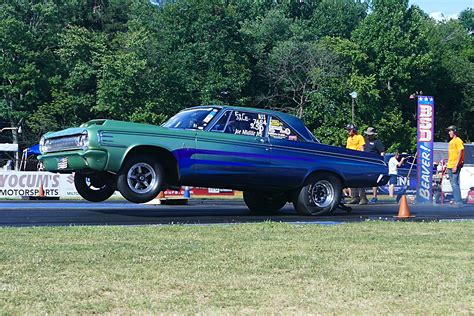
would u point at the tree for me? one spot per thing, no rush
(466, 18)
(337, 18)
(106, 66)
(65, 62)
(201, 53)
(453, 78)
(26, 58)
(297, 70)
(395, 39)
(261, 36)
(74, 84)
(330, 108)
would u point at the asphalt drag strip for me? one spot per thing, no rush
(200, 212)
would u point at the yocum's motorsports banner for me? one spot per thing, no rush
(17, 184)
(425, 138)
(24, 183)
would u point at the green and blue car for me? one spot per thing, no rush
(271, 156)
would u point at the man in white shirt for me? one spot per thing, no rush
(393, 165)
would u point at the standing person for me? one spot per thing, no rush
(355, 142)
(455, 162)
(375, 146)
(393, 165)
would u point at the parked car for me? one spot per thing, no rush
(271, 156)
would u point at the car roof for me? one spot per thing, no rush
(292, 120)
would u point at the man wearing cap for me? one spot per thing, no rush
(356, 142)
(455, 162)
(372, 145)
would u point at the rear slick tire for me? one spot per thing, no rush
(320, 196)
(264, 202)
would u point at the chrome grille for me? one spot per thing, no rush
(63, 143)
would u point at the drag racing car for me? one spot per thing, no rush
(271, 156)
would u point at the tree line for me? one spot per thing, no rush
(65, 62)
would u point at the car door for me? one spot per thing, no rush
(234, 152)
(289, 161)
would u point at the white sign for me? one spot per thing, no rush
(27, 183)
(8, 147)
(17, 184)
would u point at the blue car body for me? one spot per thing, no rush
(267, 163)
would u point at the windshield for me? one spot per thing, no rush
(197, 118)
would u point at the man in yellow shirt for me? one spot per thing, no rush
(356, 142)
(455, 162)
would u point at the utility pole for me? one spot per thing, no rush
(353, 95)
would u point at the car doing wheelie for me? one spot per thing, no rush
(271, 156)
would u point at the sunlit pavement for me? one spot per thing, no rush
(65, 213)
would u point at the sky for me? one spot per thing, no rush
(448, 8)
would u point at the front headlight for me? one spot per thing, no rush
(83, 141)
(42, 146)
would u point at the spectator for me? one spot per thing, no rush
(375, 146)
(355, 142)
(455, 163)
(8, 165)
(40, 166)
(393, 165)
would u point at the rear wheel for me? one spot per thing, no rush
(320, 196)
(140, 179)
(264, 202)
(95, 187)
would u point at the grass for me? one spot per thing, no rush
(363, 268)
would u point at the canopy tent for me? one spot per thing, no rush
(33, 150)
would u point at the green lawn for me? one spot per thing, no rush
(362, 268)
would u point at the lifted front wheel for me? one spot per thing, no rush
(96, 187)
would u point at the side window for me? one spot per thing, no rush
(280, 130)
(246, 123)
(220, 124)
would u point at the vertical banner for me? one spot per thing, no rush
(425, 135)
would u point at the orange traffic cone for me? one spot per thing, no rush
(41, 191)
(403, 210)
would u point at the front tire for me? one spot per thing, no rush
(320, 196)
(94, 187)
(264, 202)
(140, 179)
